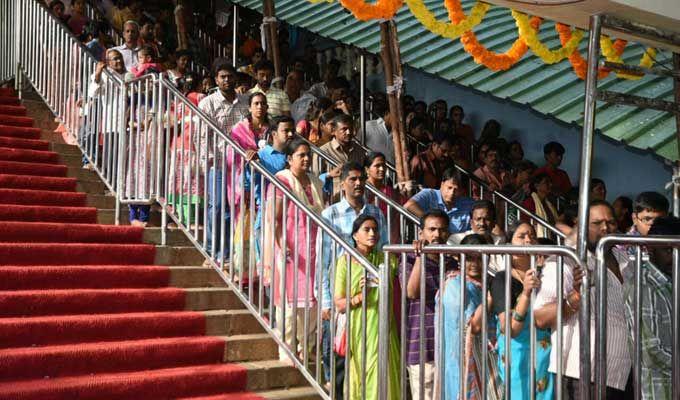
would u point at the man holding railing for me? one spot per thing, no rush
(341, 217)
(226, 108)
(434, 229)
(601, 222)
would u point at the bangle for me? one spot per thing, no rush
(570, 306)
(518, 317)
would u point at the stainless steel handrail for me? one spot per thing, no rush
(600, 321)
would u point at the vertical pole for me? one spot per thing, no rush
(383, 329)
(362, 96)
(17, 46)
(676, 170)
(584, 178)
(271, 35)
(234, 37)
(393, 97)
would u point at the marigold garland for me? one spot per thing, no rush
(382, 9)
(611, 54)
(530, 37)
(481, 55)
(445, 29)
(578, 63)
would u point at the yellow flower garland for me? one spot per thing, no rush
(611, 55)
(530, 37)
(445, 29)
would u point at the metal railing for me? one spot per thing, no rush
(269, 224)
(639, 306)
(443, 259)
(8, 42)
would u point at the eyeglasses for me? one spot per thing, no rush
(646, 220)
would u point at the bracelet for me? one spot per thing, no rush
(570, 306)
(518, 317)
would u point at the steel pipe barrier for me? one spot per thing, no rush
(645, 315)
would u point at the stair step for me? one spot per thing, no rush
(293, 393)
(13, 110)
(108, 217)
(105, 357)
(251, 347)
(21, 143)
(194, 276)
(53, 232)
(10, 181)
(147, 384)
(173, 237)
(178, 255)
(32, 169)
(76, 254)
(82, 215)
(52, 330)
(71, 160)
(35, 277)
(31, 156)
(101, 201)
(15, 120)
(65, 149)
(9, 100)
(272, 374)
(42, 198)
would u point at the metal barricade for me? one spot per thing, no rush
(8, 42)
(444, 260)
(140, 142)
(274, 258)
(648, 294)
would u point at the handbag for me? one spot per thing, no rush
(340, 342)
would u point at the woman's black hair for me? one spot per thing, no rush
(294, 145)
(360, 221)
(513, 228)
(183, 52)
(253, 95)
(371, 156)
(474, 239)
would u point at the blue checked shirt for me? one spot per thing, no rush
(459, 214)
(341, 216)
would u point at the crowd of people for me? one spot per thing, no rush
(291, 124)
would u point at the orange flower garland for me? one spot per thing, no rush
(382, 9)
(578, 63)
(481, 55)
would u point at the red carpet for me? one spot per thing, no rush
(20, 132)
(24, 155)
(10, 181)
(32, 169)
(42, 198)
(84, 312)
(21, 143)
(30, 277)
(19, 111)
(15, 120)
(69, 233)
(82, 215)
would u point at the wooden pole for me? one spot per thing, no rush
(393, 74)
(398, 70)
(271, 35)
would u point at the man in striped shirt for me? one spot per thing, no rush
(434, 230)
(601, 222)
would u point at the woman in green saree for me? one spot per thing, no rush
(366, 235)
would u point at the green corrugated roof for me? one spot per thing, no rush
(553, 90)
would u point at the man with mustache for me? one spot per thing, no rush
(341, 216)
(434, 229)
(277, 99)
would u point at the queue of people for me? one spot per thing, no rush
(261, 119)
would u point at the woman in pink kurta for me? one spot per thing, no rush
(291, 263)
(247, 134)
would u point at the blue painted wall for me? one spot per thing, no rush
(626, 170)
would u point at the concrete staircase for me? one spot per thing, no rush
(246, 342)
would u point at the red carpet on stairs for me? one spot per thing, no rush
(84, 312)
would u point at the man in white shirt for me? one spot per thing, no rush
(226, 108)
(378, 131)
(601, 223)
(130, 48)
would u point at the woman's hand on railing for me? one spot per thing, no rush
(531, 282)
(251, 155)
